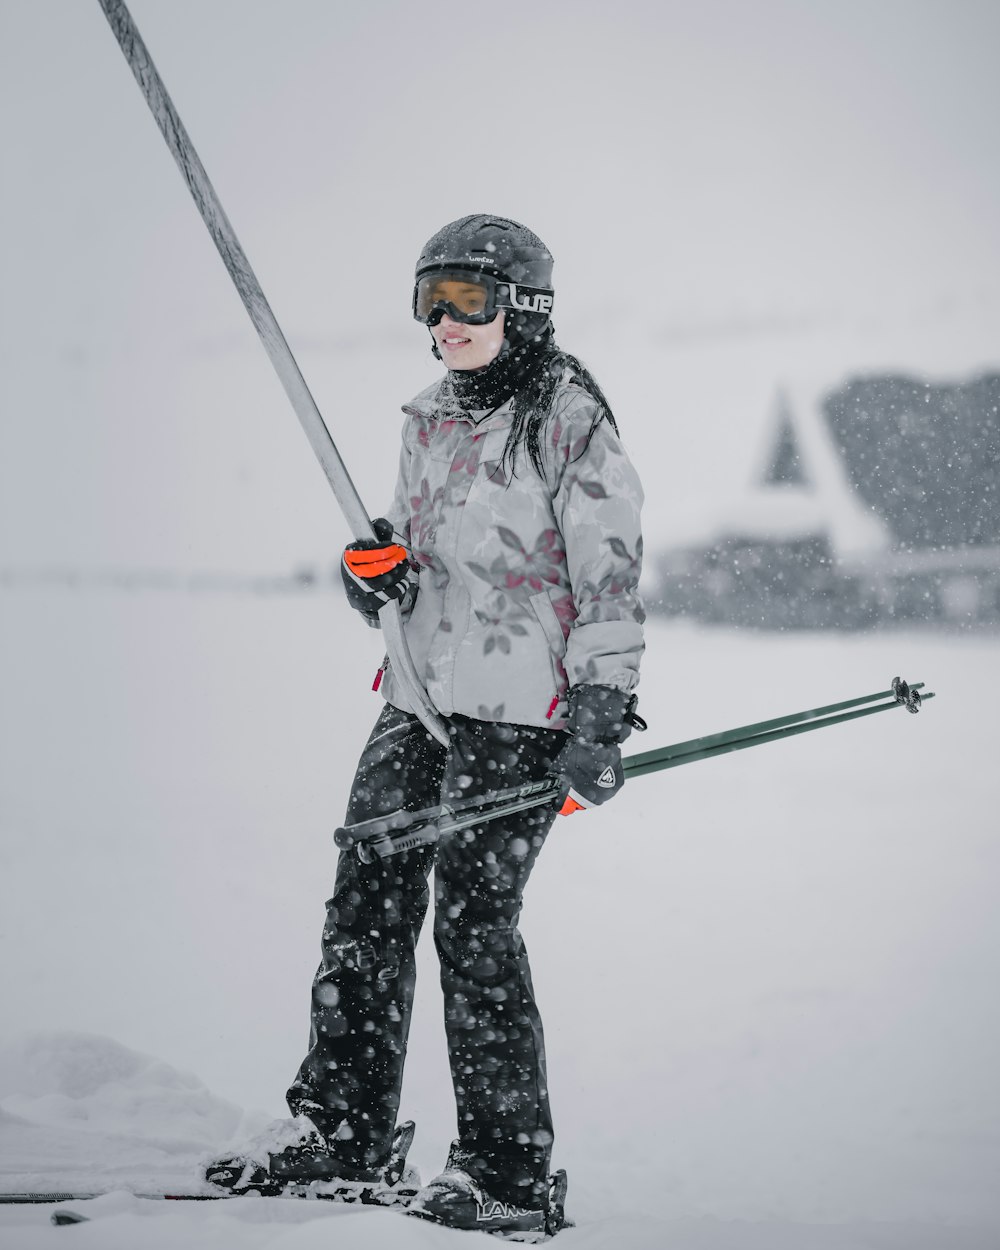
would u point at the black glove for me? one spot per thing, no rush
(600, 719)
(374, 570)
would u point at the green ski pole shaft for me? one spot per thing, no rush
(706, 748)
(402, 823)
(778, 722)
(369, 850)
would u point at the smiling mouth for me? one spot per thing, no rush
(453, 341)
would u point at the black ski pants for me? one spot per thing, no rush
(349, 1083)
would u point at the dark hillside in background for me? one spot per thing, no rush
(926, 458)
(922, 457)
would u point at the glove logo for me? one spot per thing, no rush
(607, 778)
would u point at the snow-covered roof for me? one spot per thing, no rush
(799, 485)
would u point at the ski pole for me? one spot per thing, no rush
(778, 722)
(399, 831)
(271, 336)
(669, 757)
(382, 836)
(901, 694)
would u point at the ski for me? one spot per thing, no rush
(271, 336)
(41, 1196)
(397, 1201)
(318, 1191)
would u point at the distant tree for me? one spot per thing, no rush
(785, 466)
(926, 458)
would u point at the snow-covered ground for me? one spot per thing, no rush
(768, 980)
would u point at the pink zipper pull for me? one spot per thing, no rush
(552, 707)
(380, 674)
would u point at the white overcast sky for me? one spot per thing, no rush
(735, 193)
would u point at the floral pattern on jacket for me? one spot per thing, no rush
(527, 582)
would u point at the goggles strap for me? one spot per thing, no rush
(500, 294)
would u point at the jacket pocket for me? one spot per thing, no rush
(492, 468)
(545, 613)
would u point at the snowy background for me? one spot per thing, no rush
(771, 1011)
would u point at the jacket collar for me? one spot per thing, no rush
(429, 404)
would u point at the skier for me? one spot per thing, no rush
(513, 545)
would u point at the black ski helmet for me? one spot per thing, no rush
(498, 246)
(488, 244)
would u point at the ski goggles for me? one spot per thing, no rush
(473, 298)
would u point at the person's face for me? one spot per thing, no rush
(468, 347)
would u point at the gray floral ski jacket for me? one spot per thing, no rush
(524, 584)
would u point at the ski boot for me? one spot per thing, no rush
(293, 1159)
(458, 1200)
